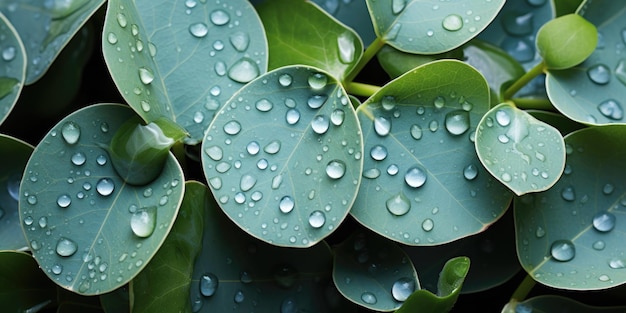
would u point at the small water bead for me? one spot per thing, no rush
(428, 225)
(253, 148)
(617, 263)
(452, 22)
(318, 80)
(388, 103)
(518, 24)
(611, 109)
(369, 298)
(143, 221)
(378, 152)
(286, 204)
(506, 177)
(64, 201)
(220, 68)
(214, 152)
(470, 172)
(78, 159)
(337, 117)
(439, 102)
(43, 222)
(247, 182)
(111, 38)
(415, 177)
(317, 219)
(416, 132)
(105, 186)
(145, 75)
(599, 74)
(540, 232)
(402, 289)
(346, 47)
(217, 45)
(245, 277)
(121, 20)
(519, 48)
(320, 124)
(604, 221)
(335, 169)
(371, 173)
(273, 147)
(66, 247)
(232, 128)
(244, 70)
(392, 169)
(503, 138)
(457, 122)
(239, 41)
(219, 17)
(264, 105)
(398, 205)
(70, 132)
(101, 160)
(503, 118)
(32, 199)
(57, 269)
(292, 116)
(382, 126)
(198, 117)
(563, 250)
(285, 80)
(433, 126)
(316, 101)
(608, 189)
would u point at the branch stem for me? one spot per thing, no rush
(360, 89)
(523, 289)
(367, 56)
(524, 80)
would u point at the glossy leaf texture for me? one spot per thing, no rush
(514, 31)
(89, 231)
(313, 38)
(165, 283)
(430, 27)
(566, 41)
(373, 272)
(552, 303)
(448, 289)
(407, 193)
(592, 92)
(12, 67)
(45, 27)
(571, 236)
(522, 152)
(238, 272)
(352, 13)
(284, 156)
(182, 60)
(15, 156)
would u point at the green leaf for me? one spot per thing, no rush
(396, 62)
(592, 92)
(408, 126)
(15, 155)
(448, 290)
(284, 156)
(116, 301)
(418, 26)
(89, 231)
(165, 283)
(522, 152)
(352, 13)
(560, 122)
(45, 27)
(566, 41)
(373, 272)
(564, 7)
(12, 67)
(551, 303)
(237, 271)
(571, 236)
(182, 61)
(22, 285)
(313, 37)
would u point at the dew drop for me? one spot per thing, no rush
(317, 219)
(70, 132)
(439, 102)
(382, 126)
(66, 247)
(563, 250)
(9, 53)
(272, 148)
(105, 186)
(145, 75)
(220, 69)
(316, 101)
(371, 173)
(604, 221)
(337, 117)
(470, 172)
(402, 289)
(247, 182)
(198, 30)
(398, 205)
(239, 41)
(617, 263)
(620, 71)
(32, 199)
(433, 126)
(121, 20)
(457, 122)
(285, 80)
(611, 109)
(568, 193)
(239, 297)
(78, 159)
(318, 80)
(452, 22)
(232, 128)
(57, 269)
(368, 298)
(428, 224)
(64, 201)
(416, 132)
(253, 148)
(214, 152)
(415, 177)
(599, 74)
(286, 204)
(243, 71)
(111, 38)
(292, 116)
(219, 17)
(143, 221)
(320, 124)
(264, 105)
(599, 245)
(335, 169)
(378, 152)
(503, 118)
(397, 6)
(518, 24)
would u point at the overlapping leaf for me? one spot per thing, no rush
(550, 303)
(182, 60)
(23, 287)
(353, 14)
(12, 67)
(414, 123)
(89, 231)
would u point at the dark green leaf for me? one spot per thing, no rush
(116, 301)
(552, 304)
(566, 41)
(560, 122)
(22, 285)
(352, 13)
(12, 69)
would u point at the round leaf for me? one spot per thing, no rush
(12, 67)
(23, 287)
(572, 235)
(15, 156)
(424, 27)
(522, 152)
(46, 27)
(374, 272)
(283, 157)
(89, 231)
(593, 92)
(566, 41)
(182, 60)
(408, 194)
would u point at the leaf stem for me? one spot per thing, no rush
(524, 80)
(369, 53)
(523, 289)
(360, 89)
(534, 104)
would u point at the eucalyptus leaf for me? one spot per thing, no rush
(408, 194)
(571, 236)
(238, 272)
(45, 27)
(12, 67)
(374, 272)
(566, 41)
(448, 289)
(560, 122)
(313, 37)
(22, 285)
(186, 65)
(352, 13)
(284, 156)
(15, 155)
(429, 27)
(552, 304)
(522, 152)
(165, 283)
(89, 231)
(592, 92)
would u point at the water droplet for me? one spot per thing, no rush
(620, 71)
(568, 193)
(245, 277)
(264, 105)
(337, 117)
(599, 74)
(393, 32)
(232, 128)
(220, 68)
(599, 245)
(398, 205)
(392, 169)
(378, 152)
(335, 169)
(239, 41)
(286, 204)
(316, 101)
(403, 288)
(273, 147)
(503, 118)
(292, 116)
(415, 177)
(540, 232)
(143, 221)
(563, 250)
(247, 182)
(101, 160)
(617, 263)
(288, 305)
(64, 201)
(105, 186)
(433, 126)
(608, 189)
(9, 53)
(70, 132)
(285, 80)
(416, 132)
(219, 17)
(428, 224)
(198, 30)
(145, 75)
(111, 38)
(470, 172)
(317, 219)
(78, 159)
(397, 6)
(214, 152)
(369, 298)
(239, 297)
(518, 24)
(604, 221)
(452, 22)
(318, 80)
(243, 71)
(371, 173)
(611, 109)
(57, 269)
(519, 48)
(320, 124)
(503, 138)
(382, 126)
(121, 20)
(32, 199)
(457, 122)
(66, 247)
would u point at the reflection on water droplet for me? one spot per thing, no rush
(568, 193)
(105, 186)
(198, 30)
(398, 205)
(208, 284)
(78, 159)
(145, 75)
(66, 247)
(239, 41)
(382, 126)
(599, 74)
(64, 201)
(318, 80)
(518, 24)
(470, 172)
(247, 182)
(317, 219)
(316, 101)
(335, 169)
(416, 132)
(452, 22)
(503, 118)
(457, 122)
(369, 298)
(143, 221)
(402, 289)
(320, 124)
(70, 132)
(563, 250)
(244, 70)
(219, 17)
(232, 128)
(604, 221)
(611, 109)
(286, 204)
(415, 177)
(285, 80)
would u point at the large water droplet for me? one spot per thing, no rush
(105, 186)
(452, 22)
(415, 177)
(66, 247)
(403, 288)
(457, 122)
(70, 132)
(214, 152)
(428, 224)
(78, 159)
(239, 41)
(247, 182)
(198, 30)
(285, 80)
(503, 118)
(518, 24)
(397, 6)
(286, 204)
(273, 147)
(337, 117)
(611, 109)
(382, 126)
(398, 205)
(318, 80)
(604, 221)
(244, 70)
(219, 17)
(470, 172)
(335, 169)
(145, 75)
(316, 101)
(292, 116)
(232, 128)
(378, 152)
(369, 298)
(143, 221)
(320, 124)
(208, 284)
(121, 20)
(599, 74)
(563, 250)
(317, 219)
(346, 47)
(64, 201)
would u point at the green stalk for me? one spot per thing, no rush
(534, 104)
(524, 80)
(369, 53)
(523, 289)
(360, 89)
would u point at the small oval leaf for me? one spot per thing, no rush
(566, 41)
